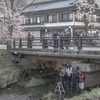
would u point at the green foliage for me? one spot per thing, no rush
(35, 82)
(47, 96)
(93, 95)
(86, 22)
(6, 66)
(6, 71)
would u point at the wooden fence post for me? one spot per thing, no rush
(60, 42)
(27, 43)
(14, 43)
(42, 42)
(20, 43)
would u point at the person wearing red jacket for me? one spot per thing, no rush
(81, 80)
(29, 37)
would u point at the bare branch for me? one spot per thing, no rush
(6, 4)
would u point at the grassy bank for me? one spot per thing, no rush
(93, 95)
(47, 96)
(6, 66)
(6, 71)
(35, 82)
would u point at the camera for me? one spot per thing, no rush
(64, 65)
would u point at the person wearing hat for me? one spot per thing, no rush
(81, 80)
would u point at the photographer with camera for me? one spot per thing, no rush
(81, 81)
(63, 76)
(77, 78)
(69, 71)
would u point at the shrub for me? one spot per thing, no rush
(35, 82)
(6, 71)
(47, 96)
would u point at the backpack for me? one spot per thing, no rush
(32, 38)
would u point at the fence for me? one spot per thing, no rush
(56, 42)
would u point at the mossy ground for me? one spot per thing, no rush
(35, 82)
(6, 66)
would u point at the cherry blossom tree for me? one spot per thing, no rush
(10, 23)
(11, 20)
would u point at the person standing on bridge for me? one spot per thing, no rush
(55, 40)
(61, 36)
(67, 41)
(29, 37)
(84, 35)
(46, 40)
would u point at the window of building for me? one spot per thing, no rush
(67, 16)
(26, 21)
(35, 20)
(71, 16)
(40, 19)
(31, 20)
(52, 18)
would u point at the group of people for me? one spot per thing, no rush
(65, 39)
(68, 75)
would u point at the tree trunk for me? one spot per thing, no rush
(8, 51)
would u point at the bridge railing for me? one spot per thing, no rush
(62, 42)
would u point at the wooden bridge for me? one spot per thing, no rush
(59, 47)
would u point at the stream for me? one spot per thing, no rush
(17, 92)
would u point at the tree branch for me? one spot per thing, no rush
(6, 4)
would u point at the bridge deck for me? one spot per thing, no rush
(77, 47)
(69, 54)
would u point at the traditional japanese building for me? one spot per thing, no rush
(57, 15)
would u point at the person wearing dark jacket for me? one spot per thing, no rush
(67, 41)
(84, 35)
(55, 40)
(62, 36)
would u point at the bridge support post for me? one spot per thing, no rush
(14, 43)
(27, 44)
(20, 41)
(60, 43)
(80, 43)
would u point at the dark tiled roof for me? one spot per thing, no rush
(56, 4)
